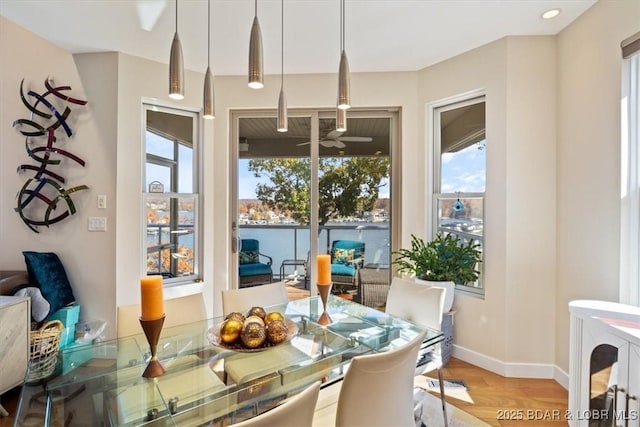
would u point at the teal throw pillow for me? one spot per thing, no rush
(248, 257)
(47, 273)
(343, 256)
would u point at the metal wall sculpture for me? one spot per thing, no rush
(40, 199)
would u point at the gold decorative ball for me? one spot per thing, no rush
(230, 331)
(253, 335)
(235, 315)
(257, 311)
(253, 318)
(277, 331)
(274, 315)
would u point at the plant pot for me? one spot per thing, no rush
(450, 291)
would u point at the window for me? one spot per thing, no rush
(630, 174)
(459, 173)
(171, 199)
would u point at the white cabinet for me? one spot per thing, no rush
(15, 321)
(604, 365)
(627, 411)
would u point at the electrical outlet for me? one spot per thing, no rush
(97, 223)
(102, 201)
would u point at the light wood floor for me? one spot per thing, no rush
(494, 399)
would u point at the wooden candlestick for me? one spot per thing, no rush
(152, 329)
(324, 290)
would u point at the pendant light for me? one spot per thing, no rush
(176, 67)
(341, 120)
(255, 54)
(282, 100)
(344, 96)
(209, 94)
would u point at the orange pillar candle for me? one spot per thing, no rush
(151, 301)
(324, 269)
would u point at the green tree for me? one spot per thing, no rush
(349, 186)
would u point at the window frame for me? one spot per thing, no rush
(172, 193)
(434, 180)
(629, 287)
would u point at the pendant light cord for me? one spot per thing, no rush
(176, 16)
(281, 44)
(256, 8)
(209, 34)
(342, 36)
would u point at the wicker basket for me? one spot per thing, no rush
(44, 346)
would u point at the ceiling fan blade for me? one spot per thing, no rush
(327, 142)
(303, 143)
(334, 134)
(338, 144)
(356, 139)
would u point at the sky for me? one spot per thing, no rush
(463, 171)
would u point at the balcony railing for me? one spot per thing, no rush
(292, 242)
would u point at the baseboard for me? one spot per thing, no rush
(512, 370)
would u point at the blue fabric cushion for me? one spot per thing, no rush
(47, 273)
(254, 269)
(343, 270)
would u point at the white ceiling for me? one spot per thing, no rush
(381, 35)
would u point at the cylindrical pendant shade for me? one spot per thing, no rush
(209, 96)
(341, 120)
(176, 69)
(344, 93)
(283, 120)
(255, 56)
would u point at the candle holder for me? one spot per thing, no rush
(324, 291)
(152, 329)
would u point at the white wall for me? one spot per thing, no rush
(589, 86)
(518, 77)
(88, 257)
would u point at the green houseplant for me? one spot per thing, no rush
(444, 262)
(445, 258)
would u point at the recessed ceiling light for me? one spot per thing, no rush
(551, 13)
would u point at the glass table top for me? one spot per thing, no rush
(101, 383)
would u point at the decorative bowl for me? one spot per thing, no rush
(214, 338)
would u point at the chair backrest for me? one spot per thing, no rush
(178, 311)
(243, 299)
(416, 302)
(343, 251)
(377, 389)
(296, 411)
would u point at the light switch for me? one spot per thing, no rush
(102, 201)
(97, 223)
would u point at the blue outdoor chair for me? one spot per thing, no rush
(253, 272)
(347, 256)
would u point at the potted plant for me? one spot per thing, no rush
(446, 259)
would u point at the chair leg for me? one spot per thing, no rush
(3, 412)
(444, 402)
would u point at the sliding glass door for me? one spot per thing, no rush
(280, 177)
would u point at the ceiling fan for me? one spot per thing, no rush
(335, 139)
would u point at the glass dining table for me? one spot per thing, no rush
(206, 384)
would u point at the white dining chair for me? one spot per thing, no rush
(241, 300)
(178, 311)
(377, 390)
(296, 411)
(423, 305)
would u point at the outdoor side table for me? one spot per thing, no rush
(294, 263)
